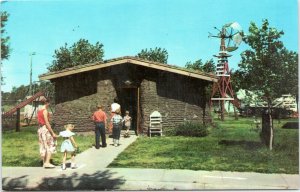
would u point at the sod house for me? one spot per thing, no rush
(141, 87)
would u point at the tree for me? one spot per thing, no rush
(157, 55)
(197, 65)
(19, 93)
(289, 73)
(208, 67)
(236, 80)
(262, 66)
(47, 87)
(4, 39)
(81, 52)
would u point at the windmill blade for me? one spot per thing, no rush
(236, 26)
(237, 38)
(228, 34)
(232, 34)
(228, 43)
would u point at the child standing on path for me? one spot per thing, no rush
(127, 120)
(117, 125)
(68, 145)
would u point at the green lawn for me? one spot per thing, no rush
(22, 149)
(232, 146)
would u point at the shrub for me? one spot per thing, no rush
(190, 129)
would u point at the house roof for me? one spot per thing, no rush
(132, 60)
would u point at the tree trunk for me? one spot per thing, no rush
(271, 127)
(267, 134)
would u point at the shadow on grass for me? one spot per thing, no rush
(100, 180)
(242, 143)
(291, 125)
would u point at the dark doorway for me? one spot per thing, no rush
(129, 102)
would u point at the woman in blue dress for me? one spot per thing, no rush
(68, 145)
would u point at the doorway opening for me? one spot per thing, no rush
(129, 102)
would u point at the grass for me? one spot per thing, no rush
(232, 146)
(22, 149)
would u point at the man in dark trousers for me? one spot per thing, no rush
(99, 118)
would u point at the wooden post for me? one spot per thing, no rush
(222, 110)
(18, 120)
(235, 113)
(138, 112)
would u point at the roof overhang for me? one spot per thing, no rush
(149, 64)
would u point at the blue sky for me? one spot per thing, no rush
(125, 27)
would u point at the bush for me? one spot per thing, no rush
(190, 129)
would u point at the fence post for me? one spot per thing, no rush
(18, 120)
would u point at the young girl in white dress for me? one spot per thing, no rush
(68, 145)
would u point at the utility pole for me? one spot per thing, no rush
(30, 86)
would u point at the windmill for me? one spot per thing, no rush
(231, 36)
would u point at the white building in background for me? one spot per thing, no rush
(29, 110)
(251, 99)
(245, 97)
(286, 101)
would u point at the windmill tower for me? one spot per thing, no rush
(230, 36)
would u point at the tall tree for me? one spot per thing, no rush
(197, 65)
(208, 66)
(262, 66)
(289, 73)
(158, 55)
(81, 52)
(19, 93)
(4, 38)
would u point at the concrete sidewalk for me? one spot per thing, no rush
(92, 174)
